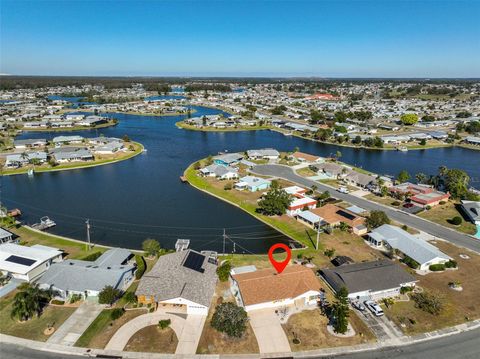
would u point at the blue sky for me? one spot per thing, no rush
(241, 38)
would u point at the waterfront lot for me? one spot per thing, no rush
(34, 328)
(458, 306)
(310, 327)
(214, 342)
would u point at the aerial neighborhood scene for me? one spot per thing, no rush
(241, 179)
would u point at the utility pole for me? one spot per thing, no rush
(87, 222)
(224, 237)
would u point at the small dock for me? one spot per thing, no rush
(44, 224)
(183, 179)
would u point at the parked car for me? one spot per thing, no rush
(358, 305)
(343, 189)
(374, 308)
(408, 205)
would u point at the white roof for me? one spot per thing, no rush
(310, 217)
(37, 253)
(302, 201)
(294, 189)
(414, 247)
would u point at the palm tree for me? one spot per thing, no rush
(29, 301)
(421, 177)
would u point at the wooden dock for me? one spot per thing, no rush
(183, 179)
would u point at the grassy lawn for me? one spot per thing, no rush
(387, 201)
(103, 328)
(310, 327)
(33, 328)
(458, 306)
(74, 250)
(214, 342)
(306, 172)
(441, 214)
(99, 160)
(152, 339)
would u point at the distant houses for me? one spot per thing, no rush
(253, 184)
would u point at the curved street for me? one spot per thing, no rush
(436, 230)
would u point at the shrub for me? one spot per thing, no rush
(396, 203)
(437, 267)
(405, 227)
(410, 262)
(428, 208)
(130, 297)
(116, 313)
(108, 295)
(75, 298)
(457, 220)
(230, 319)
(451, 264)
(428, 302)
(329, 252)
(442, 203)
(151, 247)
(223, 271)
(141, 265)
(58, 302)
(164, 324)
(227, 187)
(406, 289)
(92, 256)
(376, 219)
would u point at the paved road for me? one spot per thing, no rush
(436, 230)
(461, 346)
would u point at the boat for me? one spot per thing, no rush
(15, 212)
(31, 172)
(402, 149)
(44, 224)
(144, 150)
(287, 133)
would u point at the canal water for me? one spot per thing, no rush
(143, 197)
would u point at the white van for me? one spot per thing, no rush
(374, 308)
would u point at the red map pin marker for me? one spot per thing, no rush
(279, 266)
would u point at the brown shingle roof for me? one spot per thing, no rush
(333, 215)
(305, 156)
(266, 285)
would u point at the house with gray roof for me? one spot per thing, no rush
(219, 171)
(67, 139)
(392, 237)
(472, 210)
(16, 160)
(182, 279)
(228, 159)
(88, 278)
(71, 154)
(266, 153)
(369, 280)
(30, 143)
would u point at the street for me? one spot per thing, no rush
(410, 220)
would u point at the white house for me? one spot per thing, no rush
(260, 289)
(419, 250)
(27, 263)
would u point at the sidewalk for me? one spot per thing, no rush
(76, 324)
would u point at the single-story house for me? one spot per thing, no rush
(472, 140)
(333, 215)
(332, 170)
(109, 148)
(228, 159)
(19, 159)
(219, 171)
(419, 250)
(67, 139)
(30, 143)
(92, 120)
(5, 236)
(252, 183)
(71, 154)
(296, 285)
(87, 278)
(472, 210)
(420, 194)
(305, 157)
(266, 153)
(298, 204)
(27, 263)
(183, 279)
(369, 280)
(360, 179)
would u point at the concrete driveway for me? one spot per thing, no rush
(188, 330)
(270, 335)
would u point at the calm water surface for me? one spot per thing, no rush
(143, 197)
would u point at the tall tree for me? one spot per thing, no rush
(403, 176)
(341, 311)
(275, 201)
(29, 301)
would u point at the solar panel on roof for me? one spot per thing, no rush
(21, 260)
(194, 261)
(346, 215)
